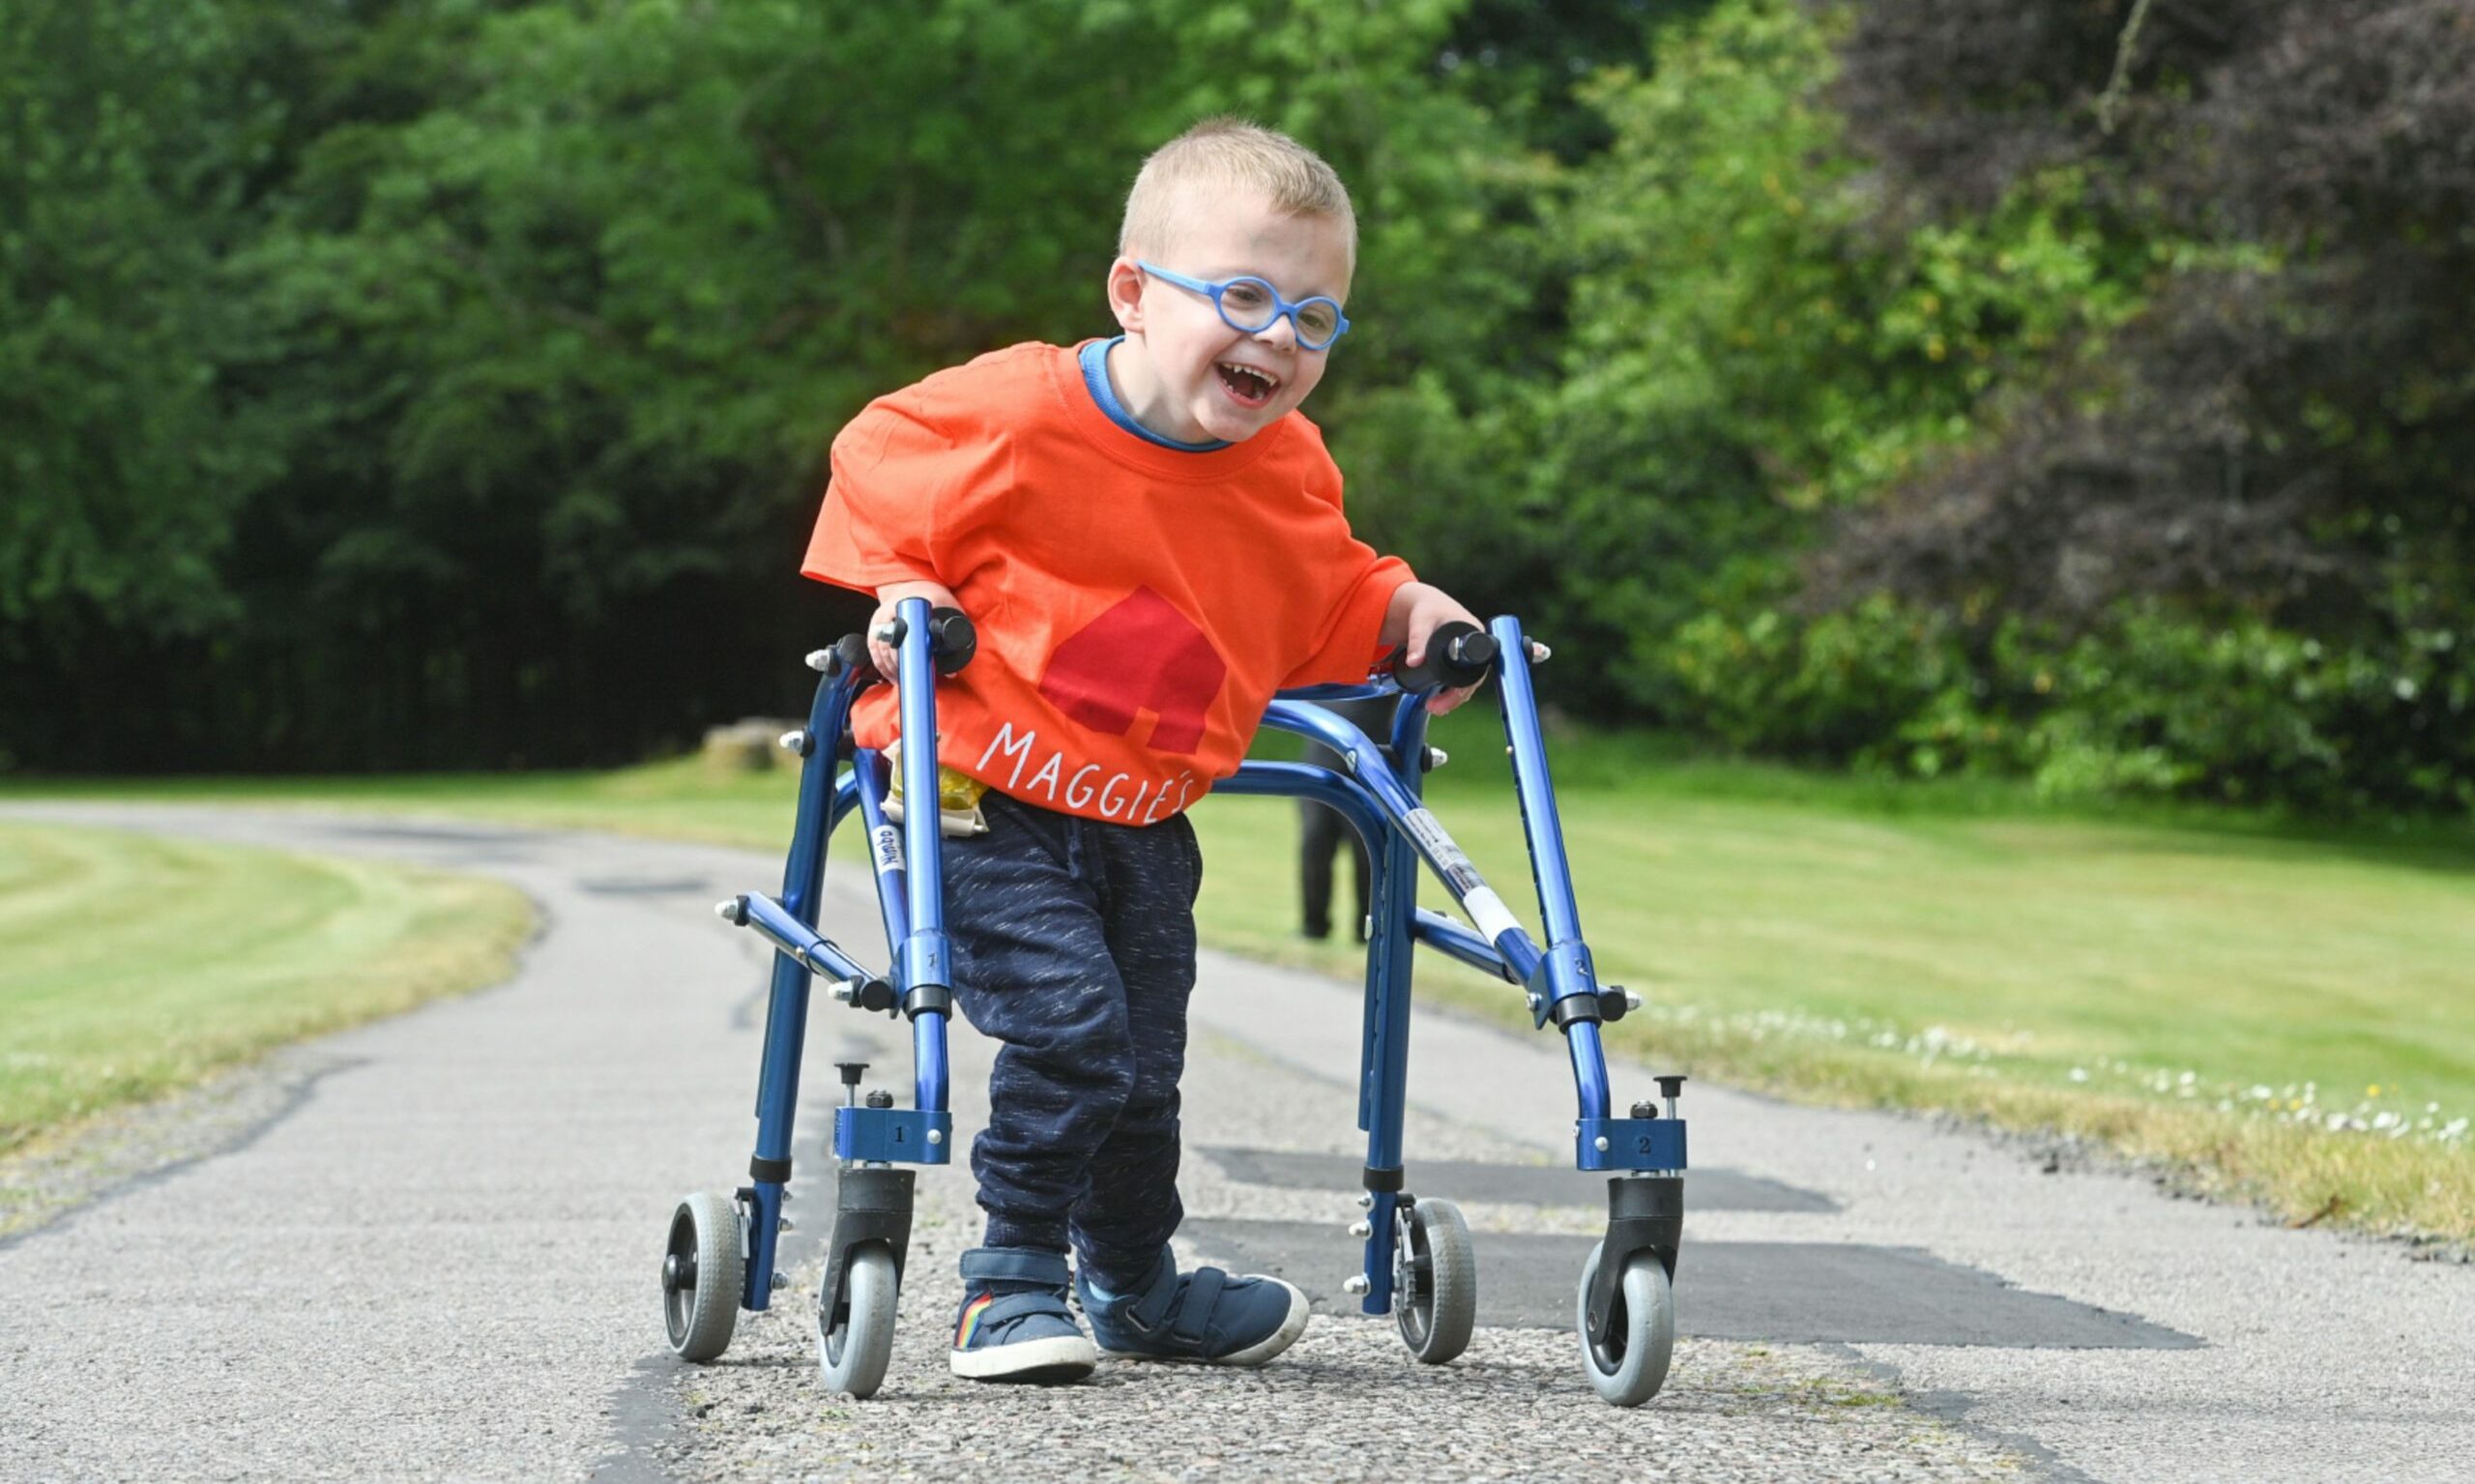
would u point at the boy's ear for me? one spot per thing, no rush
(1126, 295)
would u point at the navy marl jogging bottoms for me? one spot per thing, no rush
(1074, 944)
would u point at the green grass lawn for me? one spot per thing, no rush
(130, 965)
(2290, 1017)
(2287, 1013)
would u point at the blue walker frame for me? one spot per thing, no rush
(1378, 790)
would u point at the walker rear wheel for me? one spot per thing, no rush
(701, 1274)
(1434, 1280)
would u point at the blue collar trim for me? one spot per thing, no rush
(1096, 377)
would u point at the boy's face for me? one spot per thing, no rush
(1187, 374)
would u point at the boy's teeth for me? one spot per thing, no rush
(1268, 383)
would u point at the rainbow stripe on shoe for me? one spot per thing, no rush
(969, 1321)
(1015, 1324)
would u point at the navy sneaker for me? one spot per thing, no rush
(1013, 1324)
(1203, 1315)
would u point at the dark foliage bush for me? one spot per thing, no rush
(2283, 442)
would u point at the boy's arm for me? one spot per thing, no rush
(1417, 609)
(889, 511)
(890, 595)
(890, 508)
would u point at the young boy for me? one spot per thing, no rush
(1148, 539)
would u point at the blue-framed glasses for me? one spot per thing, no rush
(1252, 304)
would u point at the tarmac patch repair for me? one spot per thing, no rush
(1789, 1293)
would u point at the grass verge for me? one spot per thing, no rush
(2285, 1012)
(132, 965)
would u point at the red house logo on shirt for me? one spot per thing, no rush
(1141, 655)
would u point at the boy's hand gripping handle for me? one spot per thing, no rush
(951, 638)
(1457, 654)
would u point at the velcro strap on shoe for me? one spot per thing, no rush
(1149, 1309)
(1014, 1264)
(1194, 1311)
(1009, 1307)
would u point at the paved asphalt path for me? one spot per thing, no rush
(434, 1256)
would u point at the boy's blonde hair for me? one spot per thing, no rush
(1229, 153)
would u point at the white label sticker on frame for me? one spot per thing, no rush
(1487, 910)
(888, 848)
(1438, 847)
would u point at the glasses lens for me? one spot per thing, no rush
(1247, 303)
(1317, 321)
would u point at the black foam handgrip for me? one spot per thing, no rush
(952, 639)
(1457, 654)
(851, 652)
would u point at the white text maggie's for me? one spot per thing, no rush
(1115, 797)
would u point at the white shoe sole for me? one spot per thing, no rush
(1256, 1353)
(1060, 1358)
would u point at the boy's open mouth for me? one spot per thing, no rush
(1247, 386)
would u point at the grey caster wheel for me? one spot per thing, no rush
(702, 1275)
(852, 1354)
(1434, 1280)
(1628, 1364)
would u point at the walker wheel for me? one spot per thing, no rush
(702, 1275)
(1627, 1364)
(854, 1344)
(1434, 1280)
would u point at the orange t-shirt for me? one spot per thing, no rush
(1137, 605)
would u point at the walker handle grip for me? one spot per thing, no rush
(1458, 654)
(951, 638)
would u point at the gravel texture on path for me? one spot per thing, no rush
(1347, 1402)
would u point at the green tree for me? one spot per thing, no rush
(1753, 352)
(553, 309)
(127, 136)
